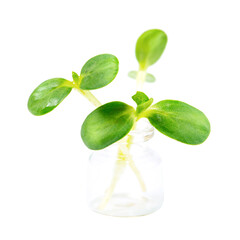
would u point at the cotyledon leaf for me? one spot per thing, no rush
(98, 72)
(142, 101)
(144, 106)
(76, 78)
(48, 95)
(150, 46)
(179, 121)
(140, 98)
(149, 77)
(107, 124)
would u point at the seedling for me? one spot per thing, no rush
(149, 48)
(96, 73)
(112, 121)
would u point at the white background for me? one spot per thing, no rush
(43, 160)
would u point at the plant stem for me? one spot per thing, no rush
(119, 169)
(141, 75)
(124, 156)
(138, 175)
(132, 164)
(90, 97)
(87, 94)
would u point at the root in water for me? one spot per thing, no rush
(123, 158)
(119, 169)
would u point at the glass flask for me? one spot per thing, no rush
(125, 179)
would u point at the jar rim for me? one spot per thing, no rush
(143, 131)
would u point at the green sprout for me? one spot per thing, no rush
(112, 121)
(149, 48)
(96, 73)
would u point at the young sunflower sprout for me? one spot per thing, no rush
(113, 121)
(96, 73)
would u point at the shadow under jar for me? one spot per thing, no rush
(125, 179)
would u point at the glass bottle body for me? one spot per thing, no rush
(125, 179)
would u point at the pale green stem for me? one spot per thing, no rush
(132, 164)
(119, 169)
(126, 151)
(141, 75)
(124, 156)
(91, 98)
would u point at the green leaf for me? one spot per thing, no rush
(179, 121)
(149, 77)
(133, 74)
(142, 101)
(142, 107)
(48, 95)
(76, 78)
(98, 72)
(150, 46)
(140, 98)
(107, 124)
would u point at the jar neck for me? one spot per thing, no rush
(142, 132)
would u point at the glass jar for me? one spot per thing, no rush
(125, 179)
